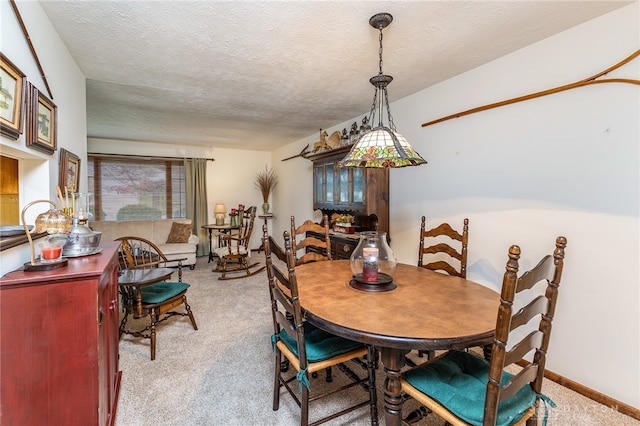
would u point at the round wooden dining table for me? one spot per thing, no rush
(427, 310)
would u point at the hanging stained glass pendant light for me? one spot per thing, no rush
(382, 146)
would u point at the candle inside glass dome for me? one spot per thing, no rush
(370, 264)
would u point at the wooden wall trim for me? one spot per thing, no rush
(23, 27)
(596, 396)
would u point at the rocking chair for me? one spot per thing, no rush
(234, 252)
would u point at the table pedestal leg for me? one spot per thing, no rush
(210, 246)
(393, 361)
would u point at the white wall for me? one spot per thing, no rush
(565, 164)
(38, 171)
(230, 178)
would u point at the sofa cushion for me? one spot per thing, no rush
(177, 248)
(162, 228)
(180, 233)
(112, 230)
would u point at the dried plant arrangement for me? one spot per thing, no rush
(266, 181)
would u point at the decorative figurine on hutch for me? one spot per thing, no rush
(353, 134)
(365, 127)
(344, 140)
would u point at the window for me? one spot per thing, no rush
(136, 188)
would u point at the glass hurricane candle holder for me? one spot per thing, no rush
(373, 263)
(51, 250)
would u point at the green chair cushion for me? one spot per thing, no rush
(458, 381)
(159, 292)
(320, 345)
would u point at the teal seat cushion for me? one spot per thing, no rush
(159, 292)
(458, 381)
(320, 345)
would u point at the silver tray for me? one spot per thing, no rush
(13, 230)
(81, 253)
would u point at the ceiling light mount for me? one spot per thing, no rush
(380, 21)
(382, 146)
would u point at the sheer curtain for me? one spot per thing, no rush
(195, 171)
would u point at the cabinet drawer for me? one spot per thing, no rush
(342, 249)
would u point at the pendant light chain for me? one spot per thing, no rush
(384, 88)
(380, 51)
(392, 125)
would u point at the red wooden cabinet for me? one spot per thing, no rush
(59, 343)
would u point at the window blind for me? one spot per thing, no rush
(136, 188)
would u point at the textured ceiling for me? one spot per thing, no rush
(262, 74)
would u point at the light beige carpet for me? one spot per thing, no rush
(222, 374)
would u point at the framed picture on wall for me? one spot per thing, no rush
(69, 171)
(12, 89)
(42, 121)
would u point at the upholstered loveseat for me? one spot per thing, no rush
(182, 244)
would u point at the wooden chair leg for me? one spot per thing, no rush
(329, 373)
(123, 324)
(152, 336)
(224, 267)
(276, 382)
(188, 308)
(304, 417)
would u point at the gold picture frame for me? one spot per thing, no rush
(12, 89)
(69, 171)
(42, 121)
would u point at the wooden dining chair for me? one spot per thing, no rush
(309, 248)
(157, 301)
(309, 349)
(234, 253)
(463, 388)
(444, 249)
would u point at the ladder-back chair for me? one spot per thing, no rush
(309, 349)
(463, 388)
(444, 249)
(309, 248)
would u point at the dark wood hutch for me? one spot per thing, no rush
(361, 192)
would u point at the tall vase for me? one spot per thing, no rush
(373, 263)
(265, 208)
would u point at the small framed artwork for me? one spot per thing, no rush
(69, 171)
(12, 89)
(42, 121)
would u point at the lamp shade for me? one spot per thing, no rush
(381, 148)
(220, 211)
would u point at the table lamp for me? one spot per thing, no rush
(52, 222)
(220, 211)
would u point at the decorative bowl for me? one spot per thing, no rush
(81, 243)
